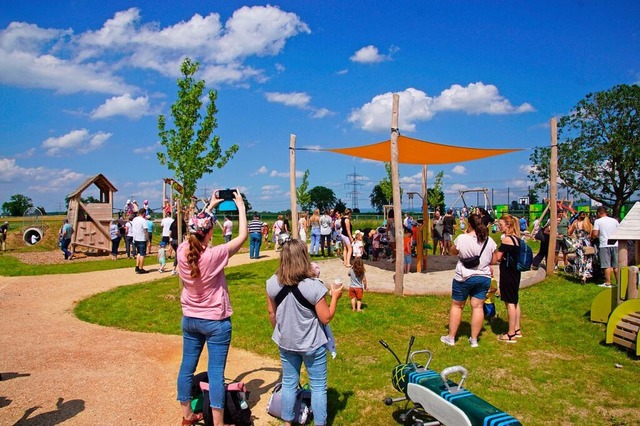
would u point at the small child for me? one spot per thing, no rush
(265, 234)
(358, 245)
(407, 250)
(489, 302)
(357, 285)
(162, 256)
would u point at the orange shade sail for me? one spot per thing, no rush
(416, 151)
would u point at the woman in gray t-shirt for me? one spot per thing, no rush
(297, 321)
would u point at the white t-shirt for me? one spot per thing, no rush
(325, 224)
(358, 248)
(605, 226)
(166, 226)
(468, 246)
(139, 225)
(227, 225)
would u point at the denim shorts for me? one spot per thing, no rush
(141, 246)
(476, 287)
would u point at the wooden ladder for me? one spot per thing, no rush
(626, 332)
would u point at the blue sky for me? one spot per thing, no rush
(82, 84)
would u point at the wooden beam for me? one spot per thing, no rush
(397, 202)
(553, 196)
(292, 186)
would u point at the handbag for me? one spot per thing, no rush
(301, 410)
(473, 261)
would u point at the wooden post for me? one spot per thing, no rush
(292, 186)
(425, 215)
(553, 196)
(164, 196)
(623, 260)
(397, 206)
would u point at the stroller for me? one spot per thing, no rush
(379, 246)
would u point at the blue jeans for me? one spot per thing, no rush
(64, 246)
(217, 335)
(255, 239)
(316, 365)
(315, 241)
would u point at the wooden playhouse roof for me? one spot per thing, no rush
(99, 180)
(629, 228)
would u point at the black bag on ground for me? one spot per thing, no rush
(236, 409)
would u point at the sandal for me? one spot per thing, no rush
(195, 418)
(507, 338)
(518, 334)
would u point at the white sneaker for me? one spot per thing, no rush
(448, 340)
(473, 342)
(605, 285)
(174, 272)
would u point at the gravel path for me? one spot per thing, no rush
(58, 369)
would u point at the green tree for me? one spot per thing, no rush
(191, 148)
(386, 184)
(378, 199)
(304, 198)
(435, 195)
(598, 148)
(322, 198)
(533, 196)
(340, 206)
(16, 205)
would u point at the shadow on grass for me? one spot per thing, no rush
(337, 402)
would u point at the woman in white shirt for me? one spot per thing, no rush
(471, 281)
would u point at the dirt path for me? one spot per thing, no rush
(58, 369)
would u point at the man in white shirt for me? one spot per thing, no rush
(166, 231)
(140, 230)
(603, 227)
(227, 227)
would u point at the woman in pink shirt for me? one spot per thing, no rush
(206, 308)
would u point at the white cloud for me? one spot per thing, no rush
(454, 188)
(147, 149)
(89, 61)
(26, 154)
(477, 98)
(123, 105)
(459, 170)
(295, 99)
(270, 188)
(368, 55)
(416, 105)
(80, 141)
(39, 179)
(262, 170)
(275, 173)
(299, 100)
(342, 72)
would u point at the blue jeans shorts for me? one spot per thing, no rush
(476, 287)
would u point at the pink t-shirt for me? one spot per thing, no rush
(207, 296)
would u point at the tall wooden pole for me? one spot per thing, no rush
(425, 215)
(292, 186)
(397, 206)
(553, 196)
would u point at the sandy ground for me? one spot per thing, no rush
(58, 369)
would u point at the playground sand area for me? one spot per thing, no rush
(56, 368)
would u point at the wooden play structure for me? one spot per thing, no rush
(91, 221)
(619, 306)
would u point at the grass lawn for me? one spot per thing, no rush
(561, 372)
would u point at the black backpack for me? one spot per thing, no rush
(236, 407)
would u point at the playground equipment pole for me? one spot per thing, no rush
(397, 207)
(425, 218)
(292, 186)
(553, 196)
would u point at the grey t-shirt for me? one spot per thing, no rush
(298, 329)
(356, 282)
